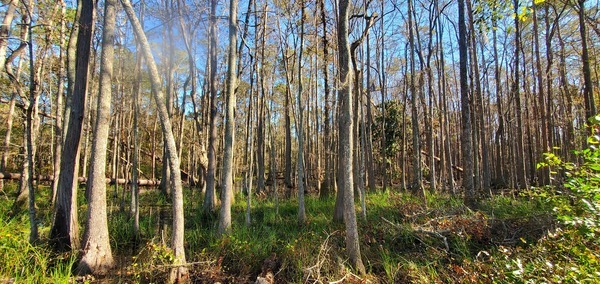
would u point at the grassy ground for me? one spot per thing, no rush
(509, 239)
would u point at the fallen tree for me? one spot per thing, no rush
(111, 181)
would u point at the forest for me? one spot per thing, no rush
(302, 141)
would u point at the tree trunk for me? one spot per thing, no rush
(227, 178)
(299, 126)
(466, 133)
(97, 254)
(417, 179)
(5, 31)
(520, 155)
(345, 139)
(65, 229)
(135, 191)
(327, 187)
(210, 197)
(58, 139)
(588, 85)
(178, 273)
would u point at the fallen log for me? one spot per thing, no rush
(49, 178)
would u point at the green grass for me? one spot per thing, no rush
(20, 261)
(397, 242)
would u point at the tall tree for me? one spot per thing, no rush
(59, 109)
(328, 183)
(97, 254)
(299, 124)
(520, 154)
(179, 272)
(227, 182)
(65, 229)
(466, 132)
(210, 197)
(346, 142)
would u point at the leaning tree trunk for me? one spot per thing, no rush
(345, 139)
(97, 254)
(65, 229)
(179, 272)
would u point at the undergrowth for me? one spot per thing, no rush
(404, 239)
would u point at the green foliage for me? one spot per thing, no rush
(577, 200)
(572, 253)
(391, 127)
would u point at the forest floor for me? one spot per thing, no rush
(404, 239)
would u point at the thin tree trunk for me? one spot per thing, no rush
(210, 197)
(327, 187)
(588, 85)
(299, 125)
(520, 155)
(59, 103)
(417, 179)
(135, 191)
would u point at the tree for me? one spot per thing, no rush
(210, 197)
(520, 155)
(227, 182)
(345, 143)
(299, 125)
(466, 133)
(97, 254)
(65, 229)
(179, 272)
(588, 86)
